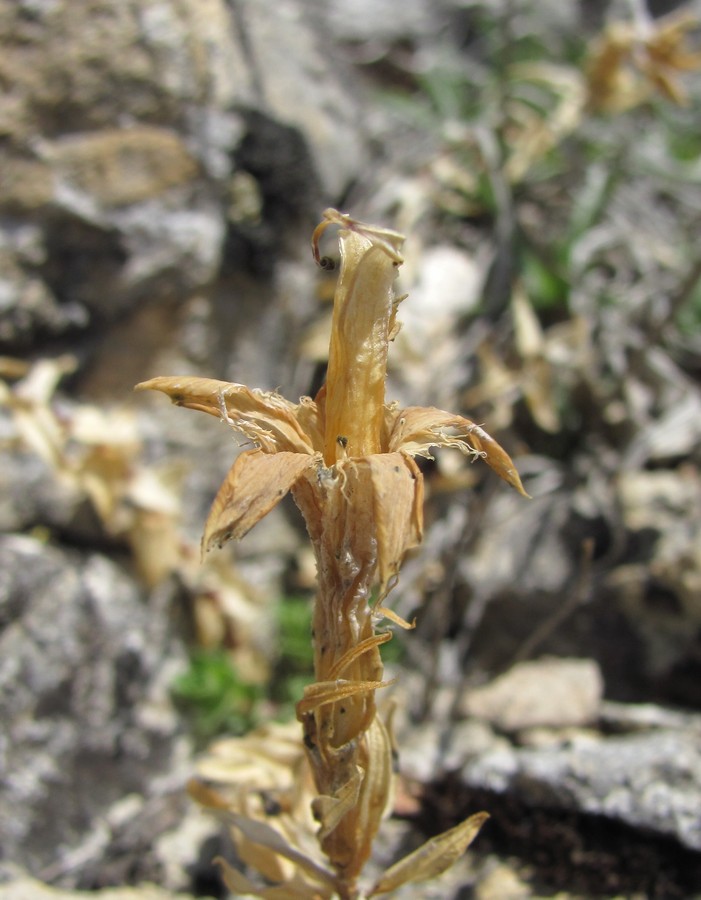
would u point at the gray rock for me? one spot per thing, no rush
(299, 81)
(384, 21)
(540, 693)
(649, 781)
(20, 886)
(503, 557)
(30, 495)
(127, 132)
(85, 666)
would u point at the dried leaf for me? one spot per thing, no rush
(432, 858)
(382, 612)
(205, 796)
(256, 483)
(376, 789)
(529, 337)
(539, 393)
(330, 810)
(533, 132)
(626, 62)
(262, 834)
(12, 368)
(352, 655)
(275, 748)
(240, 886)
(236, 881)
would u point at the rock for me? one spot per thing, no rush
(502, 883)
(300, 82)
(120, 166)
(32, 496)
(629, 717)
(19, 886)
(97, 119)
(383, 21)
(648, 781)
(504, 556)
(659, 589)
(85, 667)
(446, 287)
(541, 693)
(127, 133)
(663, 508)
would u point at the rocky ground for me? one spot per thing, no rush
(162, 166)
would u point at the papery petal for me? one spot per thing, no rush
(256, 483)
(310, 415)
(265, 417)
(391, 240)
(363, 315)
(397, 505)
(418, 428)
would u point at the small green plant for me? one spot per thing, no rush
(295, 661)
(214, 697)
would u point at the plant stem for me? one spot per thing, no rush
(339, 710)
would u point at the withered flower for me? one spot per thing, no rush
(631, 60)
(348, 458)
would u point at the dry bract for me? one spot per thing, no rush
(347, 458)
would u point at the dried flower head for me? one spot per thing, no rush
(348, 458)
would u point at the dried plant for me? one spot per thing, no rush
(348, 458)
(531, 110)
(95, 458)
(94, 455)
(630, 61)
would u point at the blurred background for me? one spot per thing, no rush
(162, 166)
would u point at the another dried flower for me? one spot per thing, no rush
(631, 60)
